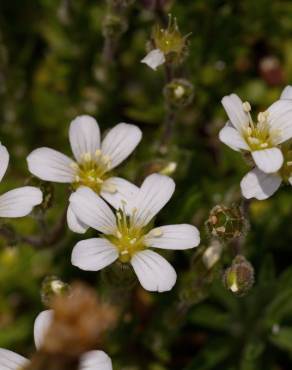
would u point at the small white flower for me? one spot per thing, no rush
(154, 59)
(260, 185)
(262, 139)
(92, 360)
(128, 234)
(18, 202)
(93, 160)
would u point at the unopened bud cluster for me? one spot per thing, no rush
(239, 277)
(225, 223)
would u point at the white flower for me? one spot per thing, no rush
(18, 202)
(260, 185)
(93, 160)
(92, 360)
(128, 234)
(262, 139)
(154, 59)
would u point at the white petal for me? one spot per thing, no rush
(19, 202)
(153, 271)
(93, 254)
(154, 59)
(95, 360)
(234, 109)
(41, 327)
(11, 361)
(92, 210)
(120, 142)
(268, 160)
(287, 93)
(182, 236)
(231, 137)
(259, 185)
(154, 193)
(280, 120)
(51, 165)
(4, 160)
(84, 136)
(74, 223)
(118, 192)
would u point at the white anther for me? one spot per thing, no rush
(262, 117)
(98, 180)
(106, 158)
(119, 235)
(254, 140)
(264, 145)
(156, 232)
(98, 152)
(249, 131)
(77, 178)
(124, 252)
(133, 241)
(110, 188)
(246, 106)
(289, 163)
(74, 165)
(87, 157)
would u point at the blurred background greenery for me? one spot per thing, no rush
(61, 58)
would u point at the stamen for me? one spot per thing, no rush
(156, 232)
(106, 158)
(87, 157)
(246, 106)
(289, 163)
(77, 178)
(74, 165)
(110, 188)
(262, 117)
(97, 152)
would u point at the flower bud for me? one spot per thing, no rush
(52, 286)
(225, 223)
(179, 92)
(239, 277)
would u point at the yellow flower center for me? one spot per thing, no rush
(129, 238)
(169, 40)
(92, 171)
(258, 136)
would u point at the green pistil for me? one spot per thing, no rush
(129, 239)
(92, 171)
